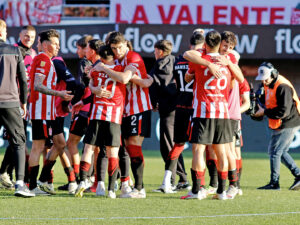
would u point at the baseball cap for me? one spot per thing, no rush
(264, 73)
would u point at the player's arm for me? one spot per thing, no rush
(38, 86)
(196, 57)
(233, 67)
(245, 102)
(122, 77)
(189, 77)
(144, 83)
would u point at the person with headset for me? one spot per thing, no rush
(282, 107)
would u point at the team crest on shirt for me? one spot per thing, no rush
(43, 63)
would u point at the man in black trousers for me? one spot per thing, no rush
(13, 104)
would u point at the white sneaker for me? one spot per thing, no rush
(38, 191)
(200, 195)
(44, 186)
(5, 181)
(100, 190)
(222, 196)
(240, 192)
(231, 192)
(211, 190)
(159, 189)
(167, 189)
(72, 187)
(80, 189)
(23, 191)
(135, 193)
(111, 194)
(125, 190)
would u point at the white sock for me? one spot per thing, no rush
(20, 182)
(167, 178)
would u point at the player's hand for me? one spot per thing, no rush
(101, 92)
(222, 60)
(76, 108)
(98, 67)
(23, 110)
(65, 95)
(189, 77)
(87, 69)
(260, 112)
(132, 68)
(214, 70)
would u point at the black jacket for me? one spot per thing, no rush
(286, 108)
(12, 71)
(163, 90)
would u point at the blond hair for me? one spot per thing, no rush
(2, 24)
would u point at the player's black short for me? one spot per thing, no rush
(137, 124)
(237, 132)
(100, 132)
(43, 129)
(211, 131)
(59, 123)
(182, 124)
(79, 125)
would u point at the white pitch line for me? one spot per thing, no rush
(162, 217)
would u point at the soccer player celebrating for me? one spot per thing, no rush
(137, 116)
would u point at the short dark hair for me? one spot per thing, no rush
(105, 52)
(95, 44)
(115, 37)
(196, 39)
(83, 41)
(229, 37)
(46, 35)
(164, 45)
(29, 28)
(213, 38)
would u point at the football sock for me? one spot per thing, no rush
(70, 174)
(84, 169)
(213, 172)
(33, 173)
(197, 177)
(76, 168)
(167, 178)
(137, 164)
(172, 159)
(101, 166)
(124, 162)
(112, 172)
(46, 171)
(232, 177)
(239, 171)
(222, 177)
(26, 178)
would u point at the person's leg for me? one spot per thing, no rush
(72, 145)
(211, 163)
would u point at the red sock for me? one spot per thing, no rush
(113, 164)
(76, 168)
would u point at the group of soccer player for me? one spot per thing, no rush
(111, 107)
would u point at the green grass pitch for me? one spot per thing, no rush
(254, 207)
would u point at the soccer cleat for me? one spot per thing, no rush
(38, 191)
(270, 186)
(5, 181)
(240, 192)
(168, 189)
(80, 189)
(100, 190)
(46, 187)
(222, 196)
(23, 191)
(211, 190)
(63, 187)
(183, 186)
(232, 192)
(159, 189)
(125, 190)
(200, 195)
(296, 185)
(135, 193)
(72, 187)
(111, 194)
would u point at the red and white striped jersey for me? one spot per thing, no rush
(138, 99)
(42, 107)
(108, 109)
(211, 94)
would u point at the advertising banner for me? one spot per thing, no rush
(217, 12)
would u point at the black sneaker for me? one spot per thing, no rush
(183, 186)
(296, 185)
(270, 186)
(63, 187)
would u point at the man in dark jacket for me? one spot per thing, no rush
(164, 99)
(283, 110)
(12, 69)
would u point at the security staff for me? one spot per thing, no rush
(282, 107)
